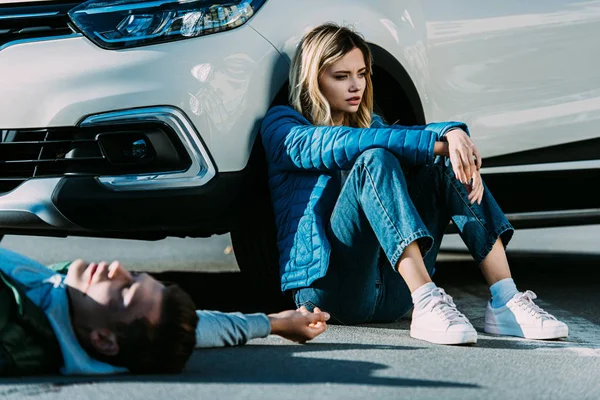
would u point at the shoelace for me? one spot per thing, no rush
(443, 304)
(525, 301)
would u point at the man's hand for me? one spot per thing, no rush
(299, 325)
(464, 156)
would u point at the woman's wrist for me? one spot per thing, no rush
(440, 149)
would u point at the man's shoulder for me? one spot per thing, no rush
(22, 268)
(60, 267)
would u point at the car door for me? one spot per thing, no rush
(522, 74)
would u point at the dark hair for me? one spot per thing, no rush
(164, 348)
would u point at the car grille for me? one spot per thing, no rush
(20, 21)
(51, 152)
(42, 152)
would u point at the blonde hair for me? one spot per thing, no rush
(318, 50)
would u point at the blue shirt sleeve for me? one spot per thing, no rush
(218, 329)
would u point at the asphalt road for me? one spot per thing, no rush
(376, 361)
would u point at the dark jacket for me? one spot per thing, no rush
(27, 342)
(34, 299)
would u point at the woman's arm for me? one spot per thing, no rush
(441, 129)
(440, 149)
(293, 146)
(464, 156)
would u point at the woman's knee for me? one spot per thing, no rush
(377, 156)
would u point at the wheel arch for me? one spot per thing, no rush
(396, 96)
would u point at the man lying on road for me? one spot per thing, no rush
(98, 318)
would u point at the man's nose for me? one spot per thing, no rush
(116, 271)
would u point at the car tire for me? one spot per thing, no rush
(254, 235)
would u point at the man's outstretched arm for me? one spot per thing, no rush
(218, 329)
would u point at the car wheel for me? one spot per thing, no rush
(254, 236)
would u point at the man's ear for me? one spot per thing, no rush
(104, 341)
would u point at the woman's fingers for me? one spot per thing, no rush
(457, 167)
(474, 189)
(464, 156)
(463, 164)
(478, 157)
(471, 160)
(476, 194)
(472, 194)
(465, 167)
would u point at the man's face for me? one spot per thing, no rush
(107, 294)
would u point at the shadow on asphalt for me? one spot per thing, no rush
(521, 344)
(229, 291)
(255, 364)
(565, 281)
(567, 277)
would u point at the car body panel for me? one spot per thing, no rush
(218, 81)
(521, 75)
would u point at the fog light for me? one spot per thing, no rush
(126, 148)
(139, 149)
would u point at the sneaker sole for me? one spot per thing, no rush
(528, 333)
(443, 337)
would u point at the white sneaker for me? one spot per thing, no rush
(522, 317)
(440, 322)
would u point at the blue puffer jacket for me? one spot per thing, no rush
(303, 163)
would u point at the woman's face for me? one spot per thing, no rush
(343, 84)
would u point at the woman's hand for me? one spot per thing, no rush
(464, 156)
(475, 188)
(299, 325)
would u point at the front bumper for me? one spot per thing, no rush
(210, 90)
(221, 82)
(141, 203)
(82, 206)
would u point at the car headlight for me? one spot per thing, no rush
(118, 24)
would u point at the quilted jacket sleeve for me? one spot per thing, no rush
(439, 128)
(292, 144)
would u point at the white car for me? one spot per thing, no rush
(139, 119)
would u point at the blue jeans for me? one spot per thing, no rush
(382, 209)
